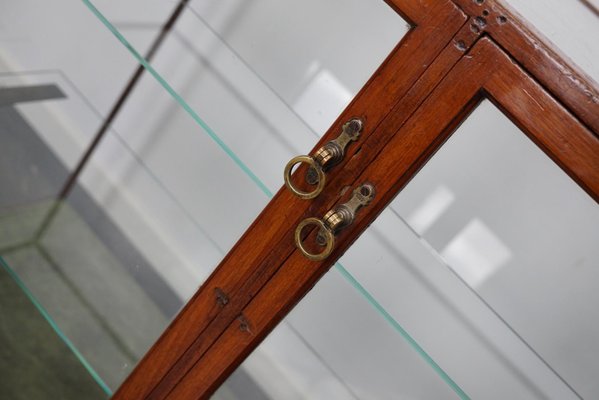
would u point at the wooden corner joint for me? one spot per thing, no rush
(538, 56)
(467, 36)
(485, 14)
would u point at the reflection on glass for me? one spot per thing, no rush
(261, 63)
(573, 26)
(54, 87)
(475, 253)
(156, 207)
(523, 236)
(432, 207)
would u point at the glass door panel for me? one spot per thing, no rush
(260, 62)
(115, 260)
(53, 91)
(306, 59)
(154, 210)
(482, 273)
(520, 237)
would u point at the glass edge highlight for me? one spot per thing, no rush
(55, 327)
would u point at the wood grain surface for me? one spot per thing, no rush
(268, 241)
(490, 73)
(432, 80)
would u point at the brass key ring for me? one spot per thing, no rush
(323, 159)
(315, 166)
(328, 236)
(333, 221)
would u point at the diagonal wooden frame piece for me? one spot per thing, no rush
(491, 73)
(266, 244)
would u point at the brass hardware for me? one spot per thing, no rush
(333, 221)
(324, 158)
(320, 180)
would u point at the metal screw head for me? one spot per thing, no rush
(353, 127)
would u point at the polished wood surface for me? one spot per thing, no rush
(269, 240)
(491, 73)
(432, 80)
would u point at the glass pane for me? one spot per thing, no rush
(30, 371)
(50, 108)
(335, 345)
(307, 58)
(156, 207)
(572, 25)
(518, 301)
(470, 292)
(54, 88)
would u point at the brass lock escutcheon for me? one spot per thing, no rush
(324, 158)
(333, 221)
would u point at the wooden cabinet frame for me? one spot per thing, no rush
(455, 54)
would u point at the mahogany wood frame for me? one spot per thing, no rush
(491, 73)
(269, 240)
(441, 61)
